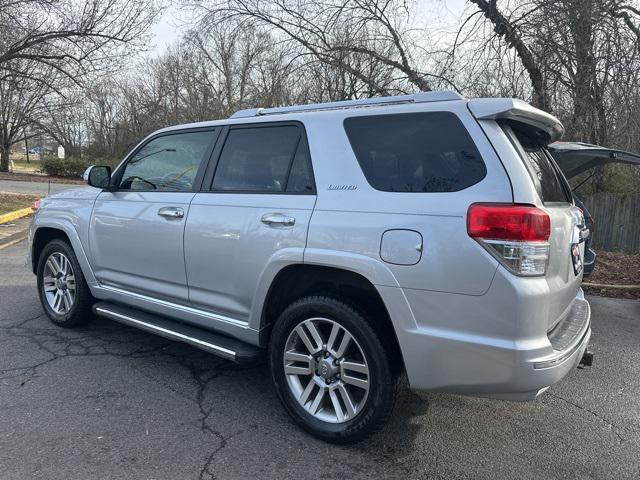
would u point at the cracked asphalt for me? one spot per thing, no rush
(108, 401)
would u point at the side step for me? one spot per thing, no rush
(212, 342)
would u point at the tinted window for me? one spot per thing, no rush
(301, 177)
(415, 152)
(167, 163)
(550, 185)
(259, 160)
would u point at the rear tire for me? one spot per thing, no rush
(63, 291)
(307, 357)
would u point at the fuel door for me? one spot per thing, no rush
(401, 247)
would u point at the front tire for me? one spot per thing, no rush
(63, 291)
(330, 370)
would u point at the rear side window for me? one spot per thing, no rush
(415, 152)
(545, 174)
(264, 159)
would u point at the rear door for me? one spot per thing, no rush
(251, 217)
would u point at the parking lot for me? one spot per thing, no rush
(107, 401)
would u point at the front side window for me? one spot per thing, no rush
(263, 160)
(168, 163)
(415, 152)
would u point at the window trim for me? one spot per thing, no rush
(462, 124)
(116, 177)
(209, 177)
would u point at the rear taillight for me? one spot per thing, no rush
(517, 235)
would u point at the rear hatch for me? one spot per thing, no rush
(575, 158)
(566, 245)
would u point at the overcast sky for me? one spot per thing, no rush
(173, 22)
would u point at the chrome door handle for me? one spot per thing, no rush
(171, 212)
(278, 219)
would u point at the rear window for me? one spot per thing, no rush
(544, 172)
(415, 152)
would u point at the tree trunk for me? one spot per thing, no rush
(26, 148)
(4, 157)
(503, 27)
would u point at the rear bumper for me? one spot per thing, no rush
(534, 378)
(446, 360)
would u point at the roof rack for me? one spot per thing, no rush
(367, 102)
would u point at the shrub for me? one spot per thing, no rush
(72, 167)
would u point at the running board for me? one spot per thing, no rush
(218, 344)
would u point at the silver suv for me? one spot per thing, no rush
(347, 242)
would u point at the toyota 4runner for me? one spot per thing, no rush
(346, 242)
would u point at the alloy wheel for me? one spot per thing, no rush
(326, 370)
(59, 283)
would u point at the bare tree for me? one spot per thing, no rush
(20, 101)
(341, 32)
(577, 54)
(68, 36)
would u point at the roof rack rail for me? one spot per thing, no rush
(419, 97)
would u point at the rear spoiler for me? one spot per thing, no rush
(518, 110)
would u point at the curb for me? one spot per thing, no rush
(604, 285)
(16, 214)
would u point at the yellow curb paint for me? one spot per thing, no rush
(13, 242)
(11, 216)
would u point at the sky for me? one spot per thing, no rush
(172, 23)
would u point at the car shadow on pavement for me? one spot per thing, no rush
(232, 400)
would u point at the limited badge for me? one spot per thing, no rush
(576, 258)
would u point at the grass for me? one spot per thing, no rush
(14, 201)
(21, 166)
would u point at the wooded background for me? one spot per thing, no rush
(76, 71)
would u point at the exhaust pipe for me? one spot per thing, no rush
(586, 360)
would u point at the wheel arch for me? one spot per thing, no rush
(300, 280)
(44, 233)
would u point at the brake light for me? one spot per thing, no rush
(517, 235)
(508, 222)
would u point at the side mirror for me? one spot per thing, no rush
(98, 176)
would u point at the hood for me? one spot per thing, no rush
(80, 193)
(574, 158)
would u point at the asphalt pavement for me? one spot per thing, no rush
(34, 188)
(110, 402)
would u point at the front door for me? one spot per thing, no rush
(253, 219)
(136, 232)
